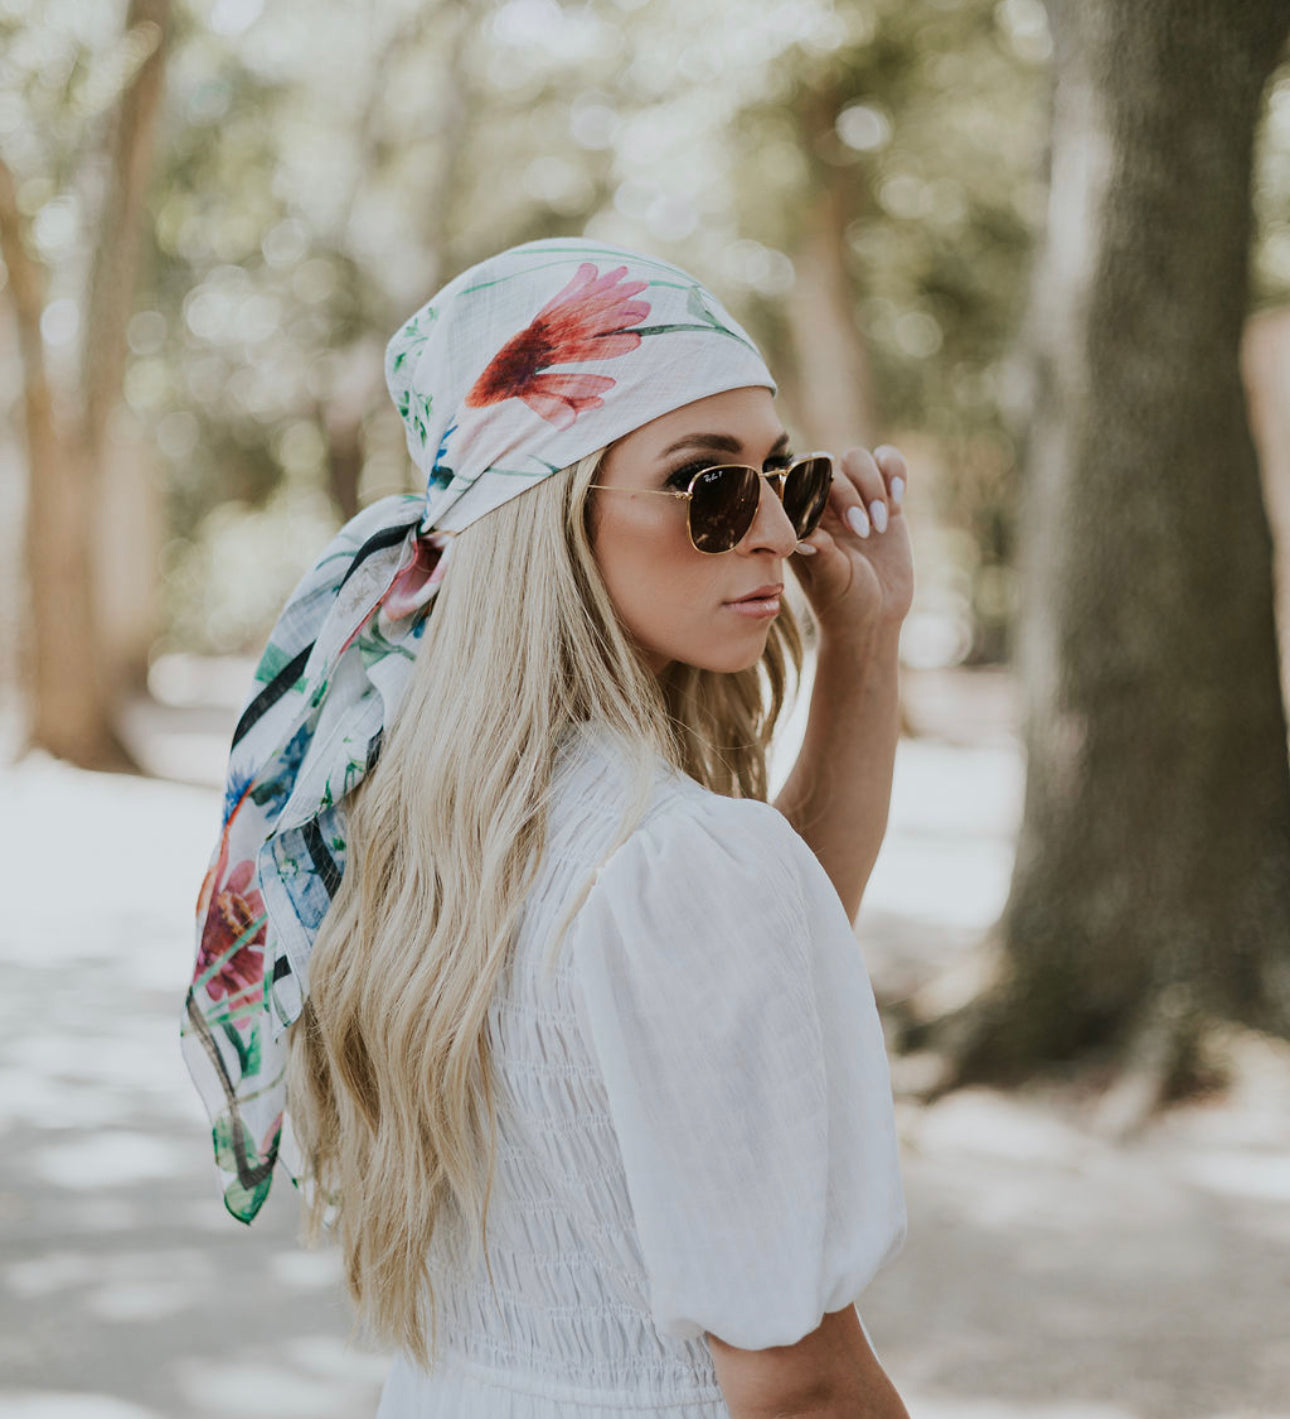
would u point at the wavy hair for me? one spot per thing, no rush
(390, 1073)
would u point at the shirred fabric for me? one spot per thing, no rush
(747, 1077)
(696, 1128)
(518, 367)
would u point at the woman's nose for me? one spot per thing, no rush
(772, 529)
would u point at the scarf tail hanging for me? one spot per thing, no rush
(481, 378)
(298, 750)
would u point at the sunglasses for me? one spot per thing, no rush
(723, 499)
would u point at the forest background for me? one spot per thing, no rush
(1043, 249)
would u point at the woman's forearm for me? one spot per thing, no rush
(839, 791)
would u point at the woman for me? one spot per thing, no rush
(582, 1059)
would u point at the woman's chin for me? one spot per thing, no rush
(724, 652)
(729, 661)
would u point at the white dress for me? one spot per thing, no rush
(695, 1125)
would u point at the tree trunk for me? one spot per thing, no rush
(834, 386)
(833, 363)
(59, 660)
(69, 680)
(1266, 362)
(110, 298)
(1151, 890)
(129, 537)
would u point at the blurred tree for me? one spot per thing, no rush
(836, 398)
(898, 170)
(1151, 892)
(321, 172)
(66, 431)
(857, 179)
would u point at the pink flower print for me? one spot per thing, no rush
(587, 320)
(229, 907)
(415, 583)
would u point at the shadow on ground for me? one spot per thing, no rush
(1047, 1274)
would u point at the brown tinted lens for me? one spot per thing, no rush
(723, 504)
(806, 493)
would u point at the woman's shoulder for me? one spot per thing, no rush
(596, 765)
(717, 816)
(684, 834)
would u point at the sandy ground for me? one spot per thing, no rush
(1046, 1274)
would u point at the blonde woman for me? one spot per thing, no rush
(561, 1027)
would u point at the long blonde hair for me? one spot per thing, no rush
(389, 1077)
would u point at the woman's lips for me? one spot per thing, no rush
(756, 606)
(762, 593)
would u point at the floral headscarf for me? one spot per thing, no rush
(516, 369)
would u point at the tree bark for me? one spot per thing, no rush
(1151, 891)
(60, 651)
(1266, 363)
(110, 298)
(69, 680)
(834, 387)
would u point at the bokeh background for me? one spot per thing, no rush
(1044, 250)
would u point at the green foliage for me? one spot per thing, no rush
(928, 122)
(320, 169)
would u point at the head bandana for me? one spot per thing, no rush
(516, 369)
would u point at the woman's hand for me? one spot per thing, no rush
(861, 574)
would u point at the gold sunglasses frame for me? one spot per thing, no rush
(779, 477)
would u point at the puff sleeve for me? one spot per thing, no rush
(724, 996)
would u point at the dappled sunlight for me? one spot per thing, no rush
(53, 1405)
(118, 1158)
(911, 219)
(1026, 1233)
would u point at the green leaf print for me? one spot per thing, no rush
(271, 664)
(415, 411)
(244, 1202)
(697, 307)
(226, 1150)
(374, 646)
(415, 334)
(351, 774)
(247, 1045)
(421, 419)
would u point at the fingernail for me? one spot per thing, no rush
(859, 522)
(806, 549)
(878, 511)
(897, 490)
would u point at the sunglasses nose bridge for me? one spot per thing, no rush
(777, 480)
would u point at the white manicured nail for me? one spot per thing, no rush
(859, 522)
(878, 511)
(806, 549)
(897, 490)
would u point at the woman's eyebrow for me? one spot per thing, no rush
(726, 443)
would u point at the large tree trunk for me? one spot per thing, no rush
(1151, 891)
(130, 535)
(357, 386)
(834, 385)
(1266, 362)
(68, 675)
(60, 661)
